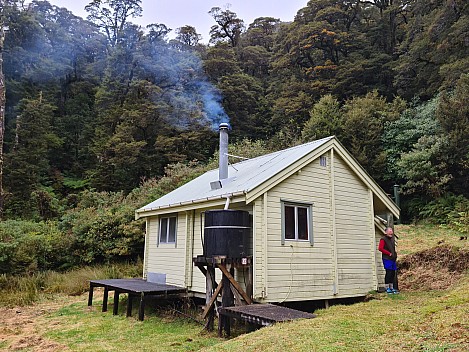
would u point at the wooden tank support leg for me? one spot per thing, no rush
(227, 300)
(235, 284)
(210, 298)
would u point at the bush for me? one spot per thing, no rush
(438, 211)
(27, 247)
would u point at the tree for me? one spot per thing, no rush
(28, 162)
(364, 121)
(261, 32)
(2, 104)
(112, 16)
(326, 119)
(433, 53)
(453, 115)
(188, 36)
(228, 26)
(424, 167)
(402, 135)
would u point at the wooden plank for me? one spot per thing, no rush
(235, 284)
(90, 295)
(105, 297)
(115, 308)
(212, 300)
(141, 307)
(129, 305)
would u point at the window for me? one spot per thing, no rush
(323, 161)
(168, 229)
(296, 222)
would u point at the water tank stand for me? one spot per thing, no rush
(230, 290)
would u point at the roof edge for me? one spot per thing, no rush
(141, 213)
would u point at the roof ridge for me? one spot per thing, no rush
(285, 150)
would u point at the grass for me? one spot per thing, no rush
(417, 321)
(27, 289)
(415, 238)
(82, 329)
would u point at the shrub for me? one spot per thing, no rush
(438, 211)
(27, 247)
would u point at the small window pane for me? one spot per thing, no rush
(163, 230)
(289, 222)
(172, 230)
(302, 223)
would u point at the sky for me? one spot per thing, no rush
(178, 13)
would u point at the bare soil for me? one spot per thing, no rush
(20, 327)
(436, 268)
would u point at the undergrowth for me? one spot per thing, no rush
(28, 289)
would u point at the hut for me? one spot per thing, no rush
(316, 217)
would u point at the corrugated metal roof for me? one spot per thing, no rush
(245, 175)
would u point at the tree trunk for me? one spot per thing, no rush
(2, 115)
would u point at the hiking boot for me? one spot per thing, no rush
(388, 290)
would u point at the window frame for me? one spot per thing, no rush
(296, 205)
(167, 217)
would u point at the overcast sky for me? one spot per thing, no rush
(178, 13)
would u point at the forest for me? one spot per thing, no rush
(100, 116)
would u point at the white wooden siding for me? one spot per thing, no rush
(174, 261)
(167, 258)
(297, 270)
(353, 216)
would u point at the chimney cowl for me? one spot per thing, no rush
(224, 125)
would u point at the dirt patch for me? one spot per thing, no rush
(20, 327)
(436, 268)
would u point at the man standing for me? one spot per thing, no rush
(387, 246)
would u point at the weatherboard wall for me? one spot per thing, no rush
(295, 270)
(175, 260)
(355, 233)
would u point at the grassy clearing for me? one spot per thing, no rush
(83, 329)
(417, 321)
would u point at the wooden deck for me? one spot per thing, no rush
(264, 314)
(134, 288)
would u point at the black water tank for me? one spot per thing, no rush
(226, 233)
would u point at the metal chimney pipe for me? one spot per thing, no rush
(223, 159)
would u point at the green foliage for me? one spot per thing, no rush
(26, 289)
(326, 120)
(425, 168)
(105, 105)
(28, 247)
(103, 228)
(364, 121)
(401, 135)
(453, 114)
(28, 163)
(450, 210)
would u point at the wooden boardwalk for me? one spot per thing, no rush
(264, 314)
(134, 288)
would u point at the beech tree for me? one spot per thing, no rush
(113, 15)
(229, 26)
